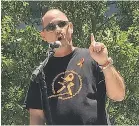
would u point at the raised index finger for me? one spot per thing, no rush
(92, 39)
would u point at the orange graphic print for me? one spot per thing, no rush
(66, 88)
(81, 62)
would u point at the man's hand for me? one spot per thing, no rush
(98, 51)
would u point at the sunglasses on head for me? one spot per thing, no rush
(52, 26)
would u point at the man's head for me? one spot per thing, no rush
(56, 26)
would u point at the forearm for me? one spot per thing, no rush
(37, 121)
(36, 117)
(115, 87)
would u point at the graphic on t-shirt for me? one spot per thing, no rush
(66, 85)
(80, 63)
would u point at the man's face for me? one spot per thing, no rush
(56, 27)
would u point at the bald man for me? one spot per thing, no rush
(77, 78)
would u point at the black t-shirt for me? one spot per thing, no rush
(76, 90)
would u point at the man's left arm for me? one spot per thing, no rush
(115, 86)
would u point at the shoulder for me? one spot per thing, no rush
(85, 53)
(83, 50)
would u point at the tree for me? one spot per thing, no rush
(23, 49)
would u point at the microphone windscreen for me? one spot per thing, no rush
(55, 44)
(58, 43)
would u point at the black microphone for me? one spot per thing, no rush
(55, 44)
(39, 69)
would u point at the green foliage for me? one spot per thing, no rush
(126, 60)
(126, 13)
(22, 50)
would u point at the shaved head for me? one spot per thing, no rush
(54, 18)
(52, 15)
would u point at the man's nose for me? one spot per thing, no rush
(58, 29)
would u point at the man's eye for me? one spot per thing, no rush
(62, 24)
(51, 26)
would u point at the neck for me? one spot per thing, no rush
(63, 51)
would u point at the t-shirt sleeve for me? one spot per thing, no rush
(33, 97)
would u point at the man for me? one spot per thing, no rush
(77, 78)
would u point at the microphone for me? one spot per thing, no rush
(50, 53)
(55, 44)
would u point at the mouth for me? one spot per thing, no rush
(60, 38)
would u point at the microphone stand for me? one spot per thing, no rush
(39, 76)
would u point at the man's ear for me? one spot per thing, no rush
(71, 27)
(42, 35)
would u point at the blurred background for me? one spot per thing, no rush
(115, 23)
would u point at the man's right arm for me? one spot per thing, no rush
(36, 117)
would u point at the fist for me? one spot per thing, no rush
(98, 51)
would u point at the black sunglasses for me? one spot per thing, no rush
(52, 26)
